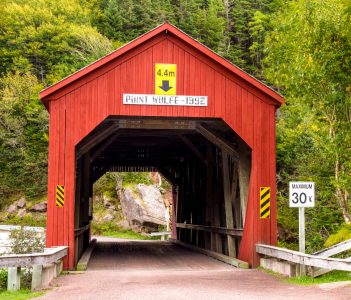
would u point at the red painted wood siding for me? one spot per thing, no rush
(78, 108)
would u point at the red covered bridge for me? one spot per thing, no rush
(166, 102)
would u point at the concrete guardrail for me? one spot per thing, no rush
(46, 266)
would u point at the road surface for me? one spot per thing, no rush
(150, 270)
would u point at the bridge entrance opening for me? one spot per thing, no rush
(132, 205)
(207, 164)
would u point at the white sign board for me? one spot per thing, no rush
(301, 194)
(170, 100)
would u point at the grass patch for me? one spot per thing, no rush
(333, 276)
(128, 234)
(32, 219)
(343, 234)
(270, 272)
(111, 229)
(19, 295)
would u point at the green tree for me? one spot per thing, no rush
(42, 37)
(126, 20)
(40, 42)
(234, 29)
(23, 136)
(308, 57)
(203, 20)
(246, 25)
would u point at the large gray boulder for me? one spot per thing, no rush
(143, 207)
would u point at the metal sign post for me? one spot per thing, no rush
(302, 247)
(302, 241)
(301, 195)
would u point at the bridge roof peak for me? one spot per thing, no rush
(165, 28)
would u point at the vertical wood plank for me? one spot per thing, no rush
(217, 202)
(210, 240)
(111, 90)
(60, 176)
(272, 176)
(118, 91)
(51, 175)
(69, 180)
(228, 203)
(174, 211)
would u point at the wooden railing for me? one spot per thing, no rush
(164, 234)
(233, 233)
(220, 230)
(328, 252)
(50, 262)
(312, 260)
(79, 231)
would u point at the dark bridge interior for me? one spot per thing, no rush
(207, 164)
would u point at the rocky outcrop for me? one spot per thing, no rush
(11, 209)
(108, 217)
(21, 213)
(22, 209)
(143, 207)
(39, 207)
(21, 203)
(124, 224)
(107, 202)
(18, 205)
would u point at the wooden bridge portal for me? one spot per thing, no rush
(166, 102)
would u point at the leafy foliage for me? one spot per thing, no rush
(33, 219)
(3, 279)
(41, 37)
(308, 57)
(234, 29)
(23, 136)
(25, 241)
(343, 234)
(40, 42)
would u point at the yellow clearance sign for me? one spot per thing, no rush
(265, 202)
(60, 195)
(165, 79)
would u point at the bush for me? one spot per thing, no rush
(35, 220)
(25, 241)
(343, 234)
(3, 279)
(26, 279)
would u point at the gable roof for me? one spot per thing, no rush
(45, 94)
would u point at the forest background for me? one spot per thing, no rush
(300, 47)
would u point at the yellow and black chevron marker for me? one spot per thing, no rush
(60, 195)
(265, 202)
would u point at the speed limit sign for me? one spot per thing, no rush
(301, 194)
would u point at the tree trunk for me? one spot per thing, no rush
(341, 195)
